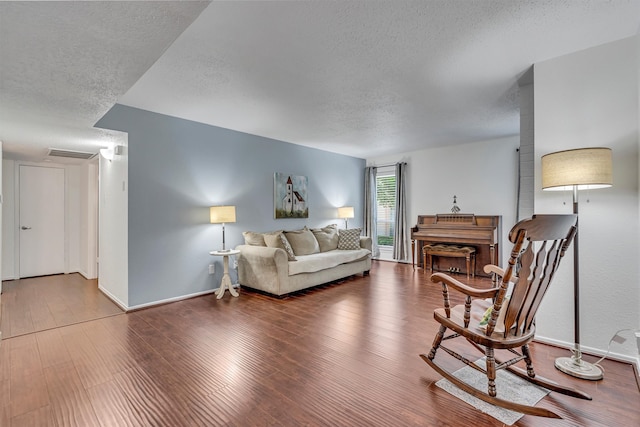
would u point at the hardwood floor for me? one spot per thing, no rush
(41, 303)
(338, 355)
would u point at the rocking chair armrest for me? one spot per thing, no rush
(490, 268)
(447, 280)
(499, 271)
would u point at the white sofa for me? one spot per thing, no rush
(282, 262)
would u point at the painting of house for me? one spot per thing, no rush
(290, 196)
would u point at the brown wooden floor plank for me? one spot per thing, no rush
(111, 406)
(40, 417)
(51, 348)
(152, 399)
(70, 405)
(28, 386)
(90, 364)
(41, 315)
(205, 407)
(19, 319)
(73, 409)
(5, 402)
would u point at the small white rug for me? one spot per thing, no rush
(509, 387)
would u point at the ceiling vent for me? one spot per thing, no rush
(56, 152)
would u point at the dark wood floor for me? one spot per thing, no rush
(41, 303)
(338, 355)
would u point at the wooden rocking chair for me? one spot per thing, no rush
(539, 243)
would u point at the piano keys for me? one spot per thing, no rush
(484, 232)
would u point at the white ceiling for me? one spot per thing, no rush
(362, 78)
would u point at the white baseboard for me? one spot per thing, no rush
(593, 351)
(112, 297)
(85, 275)
(153, 303)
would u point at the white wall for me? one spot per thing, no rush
(590, 99)
(89, 220)
(73, 182)
(527, 146)
(483, 176)
(8, 220)
(113, 267)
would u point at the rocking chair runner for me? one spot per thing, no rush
(494, 321)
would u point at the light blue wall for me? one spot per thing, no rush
(178, 168)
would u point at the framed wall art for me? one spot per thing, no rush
(290, 196)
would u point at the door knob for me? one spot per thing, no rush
(25, 228)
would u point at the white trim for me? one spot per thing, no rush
(159, 302)
(386, 170)
(386, 253)
(592, 351)
(115, 300)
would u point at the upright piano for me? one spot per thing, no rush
(483, 232)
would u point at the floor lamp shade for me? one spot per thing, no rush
(221, 215)
(586, 168)
(573, 170)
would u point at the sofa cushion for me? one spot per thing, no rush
(325, 260)
(327, 237)
(349, 239)
(254, 239)
(302, 241)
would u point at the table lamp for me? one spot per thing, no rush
(345, 213)
(222, 215)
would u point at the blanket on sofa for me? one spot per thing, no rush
(324, 260)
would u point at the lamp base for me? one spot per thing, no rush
(578, 368)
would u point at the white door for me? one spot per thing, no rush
(41, 225)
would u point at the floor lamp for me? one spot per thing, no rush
(579, 169)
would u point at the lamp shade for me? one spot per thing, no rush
(345, 212)
(222, 214)
(584, 168)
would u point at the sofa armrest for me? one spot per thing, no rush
(263, 268)
(365, 242)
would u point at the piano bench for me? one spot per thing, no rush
(451, 251)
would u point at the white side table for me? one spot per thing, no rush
(226, 280)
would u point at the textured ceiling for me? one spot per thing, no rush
(360, 78)
(63, 65)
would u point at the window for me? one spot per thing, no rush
(386, 209)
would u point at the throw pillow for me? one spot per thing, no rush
(327, 237)
(349, 239)
(302, 241)
(287, 248)
(254, 239)
(273, 240)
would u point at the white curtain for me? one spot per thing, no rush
(370, 208)
(401, 237)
